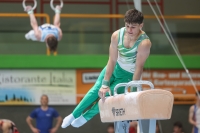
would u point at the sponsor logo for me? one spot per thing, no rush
(90, 77)
(48, 115)
(118, 112)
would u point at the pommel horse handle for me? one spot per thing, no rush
(133, 84)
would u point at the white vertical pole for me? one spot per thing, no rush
(152, 126)
(138, 5)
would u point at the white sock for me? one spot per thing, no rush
(79, 122)
(67, 121)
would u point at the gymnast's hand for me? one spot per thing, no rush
(53, 130)
(102, 92)
(58, 7)
(28, 8)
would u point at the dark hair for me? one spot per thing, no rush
(133, 16)
(111, 125)
(178, 124)
(52, 42)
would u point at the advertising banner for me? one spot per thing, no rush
(175, 81)
(25, 87)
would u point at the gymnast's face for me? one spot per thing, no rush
(110, 130)
(133, 29)
(44, 100)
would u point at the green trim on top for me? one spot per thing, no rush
(59, 61)
(172, 62)
(90, 61)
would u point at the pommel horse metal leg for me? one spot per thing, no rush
(145, 126)
(122, 126)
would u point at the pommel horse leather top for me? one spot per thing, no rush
(149, 104)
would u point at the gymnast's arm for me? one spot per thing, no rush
(33, 22)
(142, 54)
(57, 20)
(111, 61)
(35, 26)
(191, 113)
(58, 123)
(34, 130)
(112, 56)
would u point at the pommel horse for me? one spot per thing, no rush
(144, 106)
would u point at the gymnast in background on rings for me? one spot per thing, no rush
(48, 33)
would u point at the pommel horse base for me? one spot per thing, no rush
(144, 106)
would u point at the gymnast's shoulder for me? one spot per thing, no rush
(114, 36)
